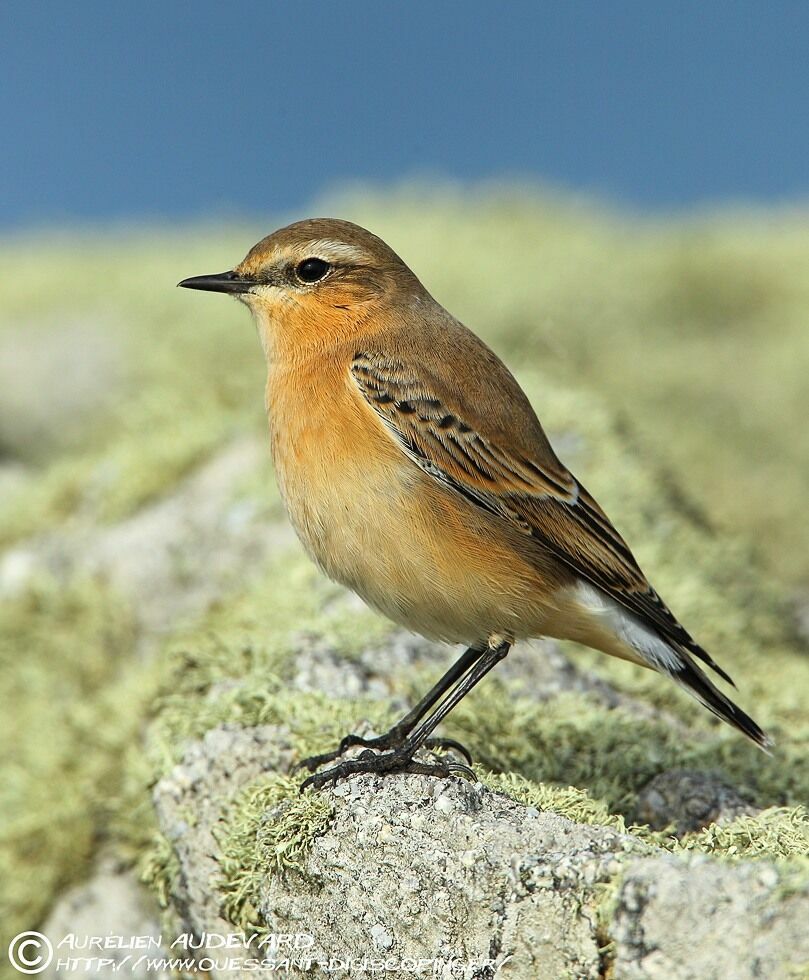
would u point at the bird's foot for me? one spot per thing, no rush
(399, 760)
(394, 739)
(390, 740)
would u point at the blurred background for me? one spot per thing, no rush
(614, 193)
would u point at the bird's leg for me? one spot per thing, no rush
(396, 736)
(400, 759)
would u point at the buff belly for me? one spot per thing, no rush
(425, 561)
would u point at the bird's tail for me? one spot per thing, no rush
(616, 630)
(688, 675)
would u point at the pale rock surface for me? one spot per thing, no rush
(112, 903)
(695, 918)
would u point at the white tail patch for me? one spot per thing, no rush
(627, 628)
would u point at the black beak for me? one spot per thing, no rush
(219, 282)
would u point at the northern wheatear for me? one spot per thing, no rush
(416, 473)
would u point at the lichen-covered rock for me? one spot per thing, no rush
(192, 800)
(689, 800)
(414, 869)
(422, 869)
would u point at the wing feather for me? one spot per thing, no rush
(539, 496)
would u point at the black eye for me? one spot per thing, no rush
(311, 270)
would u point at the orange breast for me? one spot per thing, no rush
(373, 521)
(336, 468)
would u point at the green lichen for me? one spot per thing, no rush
(778, 833)
(268, 829)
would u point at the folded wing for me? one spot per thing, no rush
(536, 494)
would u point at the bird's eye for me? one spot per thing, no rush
(311, 270)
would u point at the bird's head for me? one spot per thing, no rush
(315, 282)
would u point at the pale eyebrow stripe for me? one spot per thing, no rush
(326, 248)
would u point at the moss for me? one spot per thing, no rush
(236, 665)
(717, 589)
(606, 904)
(777, 833)
(159, 866)
(269, 828)
(570, 740)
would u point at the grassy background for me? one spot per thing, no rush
(113, 385)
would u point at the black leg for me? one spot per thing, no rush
(400, 759)
(396, 736)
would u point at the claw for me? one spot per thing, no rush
(441, 770)
(319, 780)
(449, 744)
(459, 769)
(313, 762)
(399, 759)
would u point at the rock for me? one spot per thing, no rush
(171, 559)
(689, 800)
(112, 903)
(373, 673)
(410, 868)
(190, 802)
(414, 869)
(697, 919)
(449, 872)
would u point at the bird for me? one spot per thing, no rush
(416, 473)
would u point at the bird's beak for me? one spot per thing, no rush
(219, 282)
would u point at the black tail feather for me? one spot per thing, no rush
(696, 682)
(707, 659)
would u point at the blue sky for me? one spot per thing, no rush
(112, 110)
